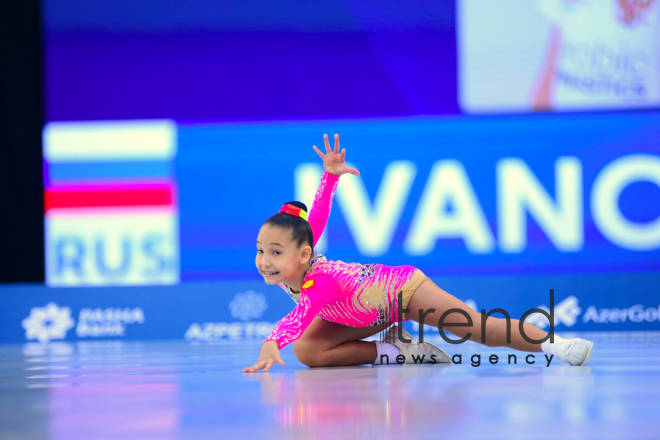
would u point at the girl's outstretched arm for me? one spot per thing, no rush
(316, 293)
(320, 211)
(335, 166)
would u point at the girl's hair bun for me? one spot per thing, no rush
(300, 228)
(298, 205)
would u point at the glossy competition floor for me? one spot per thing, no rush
(178, 390)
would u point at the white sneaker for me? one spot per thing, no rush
(416, 352)
(392, 336)
(576, 351)
(424, 353)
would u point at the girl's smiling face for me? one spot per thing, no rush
(279, 259)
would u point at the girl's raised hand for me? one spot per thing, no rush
(333, 161)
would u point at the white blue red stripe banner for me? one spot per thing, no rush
(110, 202)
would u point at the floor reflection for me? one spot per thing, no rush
(177, 390)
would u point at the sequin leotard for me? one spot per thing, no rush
(351, 294)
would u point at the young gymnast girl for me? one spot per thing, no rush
(338, 303)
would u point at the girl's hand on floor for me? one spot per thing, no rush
(333, 161)
(270, 355)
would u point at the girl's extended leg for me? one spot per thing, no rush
(326, 344)
(429, 296)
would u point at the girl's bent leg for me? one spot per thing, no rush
(326, 344)
(429, 296)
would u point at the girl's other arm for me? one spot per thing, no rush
(318, 215)
(317, 292)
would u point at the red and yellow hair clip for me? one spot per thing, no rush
(294, 210)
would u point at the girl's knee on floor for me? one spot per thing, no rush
(308, 353)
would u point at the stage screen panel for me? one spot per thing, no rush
(172, 135)
(558, 55)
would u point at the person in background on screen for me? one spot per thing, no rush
(601, 54)
(338, 303)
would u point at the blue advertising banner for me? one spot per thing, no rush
(247, 311)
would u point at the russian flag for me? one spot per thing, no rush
(116, 164)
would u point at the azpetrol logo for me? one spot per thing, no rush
(249, 305)
(245, 306)
(53, 322)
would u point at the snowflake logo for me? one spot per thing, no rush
(248, 305)
(46, 323)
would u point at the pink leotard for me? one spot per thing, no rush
(351, 294)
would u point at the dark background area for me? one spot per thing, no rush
(21, 122)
